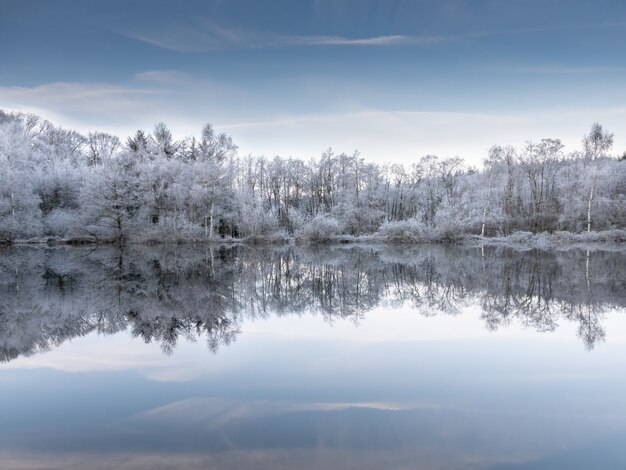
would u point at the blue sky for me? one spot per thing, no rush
(396, 79)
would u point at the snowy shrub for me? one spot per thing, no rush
(297, 220)
(320, 229)
(617, 236)
(174, 228)
(521, 237)
(401, 231)
(447, 229)
(257, 223)
(16, 227)
(61, 223)
(606, 236)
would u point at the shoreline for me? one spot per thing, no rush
(520, 240)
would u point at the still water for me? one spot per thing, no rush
(340, 358)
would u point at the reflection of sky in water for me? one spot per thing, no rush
(397, 391)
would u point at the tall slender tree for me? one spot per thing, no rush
(597, 143)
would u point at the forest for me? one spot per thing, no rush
(60, 185)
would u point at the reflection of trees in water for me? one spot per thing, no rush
(523, 290)
(164, 294)
(589, 312)
(37, 310)
(539, 289)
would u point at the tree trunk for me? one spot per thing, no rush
(211, 223)
(482, 230)
(487, 204)
(120, 231)
(590, 201)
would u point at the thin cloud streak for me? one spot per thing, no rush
(165, 77)
(207, 36)
(77, 96)
(214, 38)
(374, 114)
(392, 40)
(556, 69)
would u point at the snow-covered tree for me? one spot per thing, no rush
(596, 144)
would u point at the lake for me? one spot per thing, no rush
(345, 357)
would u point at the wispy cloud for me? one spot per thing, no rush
(77, 97)
(147, 97)
(555, 69)
(391, 40)
(165, 77)
(205, 36)
(89, 105)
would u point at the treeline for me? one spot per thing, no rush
(60, 183)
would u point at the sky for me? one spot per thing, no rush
(393, 79)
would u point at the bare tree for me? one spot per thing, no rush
(596, 144)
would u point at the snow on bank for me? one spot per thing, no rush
(557, 240)
(608, 239)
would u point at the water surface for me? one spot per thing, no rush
(347, 357)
